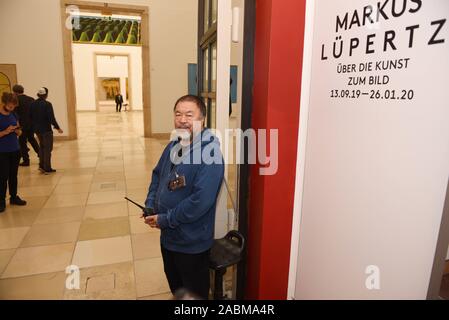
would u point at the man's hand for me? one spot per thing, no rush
(60, 131)
(152, 221)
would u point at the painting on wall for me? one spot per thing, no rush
(105, 30)
(8, 77)
(110, 87)
(127, 89)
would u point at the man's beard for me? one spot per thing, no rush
(184, 135)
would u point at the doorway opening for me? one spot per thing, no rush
(106, 52)
(112, 74)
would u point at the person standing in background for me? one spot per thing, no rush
(9, 151)
(43, 117)
(23, 112)
(118, 102)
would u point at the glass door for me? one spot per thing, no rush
(207, 66)
(216, 54)
(213, 84)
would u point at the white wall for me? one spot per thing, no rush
(173, 45)
(112, 66)
(34, 29)
(84, 72)
(375, 171)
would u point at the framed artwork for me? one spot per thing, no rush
(110, 87)
(8, 77)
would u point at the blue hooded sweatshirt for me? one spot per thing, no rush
(186, 216)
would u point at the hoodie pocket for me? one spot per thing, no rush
(194, 233)
(174, 236)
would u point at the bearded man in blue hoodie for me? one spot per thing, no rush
(183, 194)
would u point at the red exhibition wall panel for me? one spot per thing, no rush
(277, 82)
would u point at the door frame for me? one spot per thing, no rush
(246, 123)
(105, 53)
(206, 40)
(120, 9)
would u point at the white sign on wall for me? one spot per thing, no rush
(377, 153)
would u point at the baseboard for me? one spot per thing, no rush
(61, 138)
(161, 136)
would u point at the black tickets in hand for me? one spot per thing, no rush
(146, 211)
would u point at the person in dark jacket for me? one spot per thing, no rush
(23, 112)
(183, 194)
(118, 102)
(9, 151)
(43, 117)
